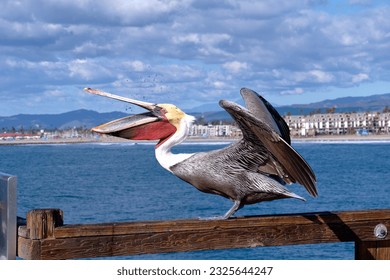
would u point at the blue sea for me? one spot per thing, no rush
(95, 183)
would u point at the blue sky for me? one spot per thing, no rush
(189, 52)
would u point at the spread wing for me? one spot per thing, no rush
(263, 127)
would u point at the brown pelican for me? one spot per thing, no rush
(252, 170)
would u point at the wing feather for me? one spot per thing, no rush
(263, 110)
(286, 159)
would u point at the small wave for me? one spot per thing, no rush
(43, 144)
(113, 143)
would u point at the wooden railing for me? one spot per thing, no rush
(46, 237)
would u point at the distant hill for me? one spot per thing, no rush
(343, 104)
(78, 118)
(89, 119)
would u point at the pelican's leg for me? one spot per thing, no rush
(237, 205)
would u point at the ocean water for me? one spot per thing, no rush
(95, 183)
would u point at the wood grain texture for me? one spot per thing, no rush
(41, 222)
(131, 238)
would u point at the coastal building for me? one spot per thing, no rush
(339, 123)
(212, 131)
(361, 123)
(18, 136)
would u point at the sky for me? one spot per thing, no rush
(188, 53)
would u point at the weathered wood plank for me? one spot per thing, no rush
(115, 239)
(329, 218)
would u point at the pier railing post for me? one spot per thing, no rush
(372, 250)
(378, 249)
(41, 222)
(40, 227)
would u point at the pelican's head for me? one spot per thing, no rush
(161, 121)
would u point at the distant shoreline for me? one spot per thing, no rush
(341, 138)
(325, 138)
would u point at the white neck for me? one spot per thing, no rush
(163, 153)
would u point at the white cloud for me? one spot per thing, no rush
(219, 84)
(186, 38)
(92, 49)
(321, 76)
(358, 78)
(87, 70)
(235, 66)
(136, 65)
(204, 45)
(292, 91)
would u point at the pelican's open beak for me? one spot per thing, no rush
(152, 125)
